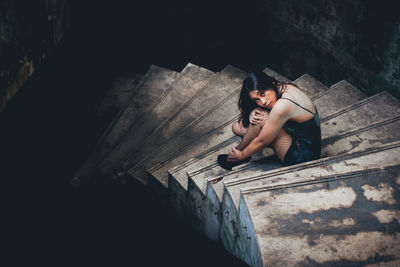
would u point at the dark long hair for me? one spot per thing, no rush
(254, 81)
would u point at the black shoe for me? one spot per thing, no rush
(228, 165)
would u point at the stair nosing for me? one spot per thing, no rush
(310, 164)
(354, 106)
(361, 129)
(315, 180)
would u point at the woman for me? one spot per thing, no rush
(277, 115)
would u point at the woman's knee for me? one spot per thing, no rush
(239, 129)
(264, 115)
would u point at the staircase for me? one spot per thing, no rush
(340, 209)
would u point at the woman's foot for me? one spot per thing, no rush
(225, 163)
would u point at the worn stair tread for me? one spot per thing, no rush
(382, 157)
(339, 96)
(151, 86)
(190, 80)
(359, 207)
(214, 106)
(276, 76)
(310, 85)
(375, 157)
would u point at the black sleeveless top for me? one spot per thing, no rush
(306, 137)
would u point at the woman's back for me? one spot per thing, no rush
(302, 109)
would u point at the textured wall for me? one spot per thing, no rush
(28, 32)
(357, 39)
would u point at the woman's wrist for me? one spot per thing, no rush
(243, 157)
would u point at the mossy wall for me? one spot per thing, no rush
(28, 32)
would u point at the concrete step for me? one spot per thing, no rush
(359, 207)
(310, 85)
(190, 81)
(339, 96)
(276, 75)
(374, 157)
(381, 156)
(200, 117)
(151, 87)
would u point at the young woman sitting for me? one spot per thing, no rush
(278, 115)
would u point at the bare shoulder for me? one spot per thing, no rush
(295, 92)
(282, 109)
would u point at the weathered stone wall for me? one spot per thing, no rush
(358, 40)
(28, 32)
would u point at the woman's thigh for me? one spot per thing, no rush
(282, 143)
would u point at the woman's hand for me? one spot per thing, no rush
(256, 116)
(235, 155)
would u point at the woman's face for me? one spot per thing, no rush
(264, 98)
